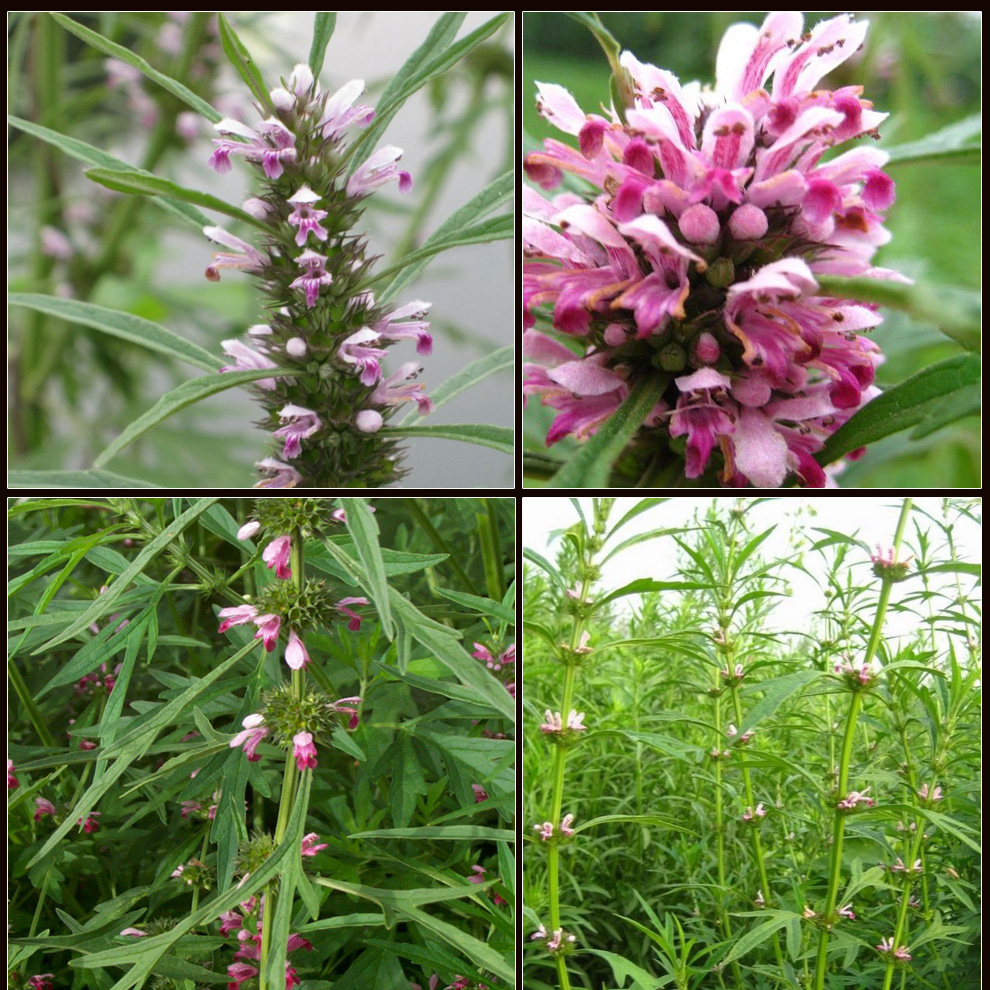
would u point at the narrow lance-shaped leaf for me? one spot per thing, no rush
(83, 152)
(126, 55)
(932, 398)
(125, 326)
(323, 25)
(589, 468)
(955, 142)
(363, 528)
(500, 438)
(240, 59)
(74, 480)
(186, 394)
(144, 184)
(476, 371)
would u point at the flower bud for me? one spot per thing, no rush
(748, 223)
(699, 224)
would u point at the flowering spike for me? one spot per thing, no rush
(709, 217)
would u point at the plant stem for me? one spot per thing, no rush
(835, 865)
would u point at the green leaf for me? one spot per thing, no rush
(641, 506)
(589, 468)
(126, 55)
(83, 152)
(145, 184)
(634, 819)
(956, 311)
(363, 527)
(952, 142)
(751, 939)
(496, 194)
(546, 566)
(484, 232)
(186, 394)
(476, 371)
(643, 585)
(500, 438)
(447, 833)
(323, 25)
(117, 324)
(486, 605)
(778, 690)
(240, 59)
(623, 969)
(73, 479)
(935, 396)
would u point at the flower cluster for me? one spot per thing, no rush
(499, 664)
(559, 941)
(731, 732)
(856, 678)
(888, 567)
(733, 677)
(854, 798)
(930, 796)
(751, 815)
(689, 256)
(899, 867)
(325, 335)
(563, 832)
(886, 948)
(561, 733)
(248, 924)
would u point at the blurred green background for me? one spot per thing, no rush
(922, 69)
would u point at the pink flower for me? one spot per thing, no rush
(936, 794)
(90, 824)
(407, 323)
(280, 475)
(271, 145)
(43, 981)
(248, 530)
(565, 825)
(237, 615)
(239, 972)
(305, 217)
(479, 874)
(314, 276)
(268, 627)
(277, 554)
(752, 815)
(309, 846)
(344, 706)
(887, 565)
(391, 392)
(304, 751)
(540, 932)
(136, 932)
(480, 794)
(243, 256)
(355, 624)
(300, 423)
(708, 218)
(230, 921)
(847, 912)
(295, 652)
(358, 349)
(297, 941)
(340, 111)
(380, 168)
(886, 947)
(43, 807)
(11, 775)
(250, 737)
(545, 830)
(853, 798)
(248, 359)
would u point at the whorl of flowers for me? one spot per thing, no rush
(691, 254)
(322, 324)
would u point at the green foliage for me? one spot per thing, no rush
(663, 881)
(142, 672)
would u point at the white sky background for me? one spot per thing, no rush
(871, 519)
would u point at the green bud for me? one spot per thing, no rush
(721, 273)
(671, 357)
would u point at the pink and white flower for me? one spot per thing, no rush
(380, 168)
(304, 751)
(314, 276)
(711, 219)
(250, 736)
(310, 844)
(305, 217)
(278, 554)
(296, 655)
(280, 475)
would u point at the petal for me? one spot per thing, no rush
(585, 377)
(760, 452)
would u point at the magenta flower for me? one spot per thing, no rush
(250, 736)
(277, 554)
(344, 706)
(695, 258)
(303, 750)
(90, 824)
(392, 392)
(230, 921)
(887, 565)
(355, 620)
(379, 169)
(279, 475)
(43, 981)
(480, 794)
(340, 111)
(268, 627)
(42, 807)
(270, 146)
(305, 217)
(407, 323)
(301, 423)
(479, 874)
(11, 775)
(239, 972)
(309, 844)
(314, 276)
(236, 616)
(847, 912)
(358, 349)
(853, 798)
(295, 652)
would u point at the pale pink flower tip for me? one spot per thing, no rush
(309, 844)
(248, 530)
(304, 751)
(136, 932)
(295, 652)
(277, 554)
